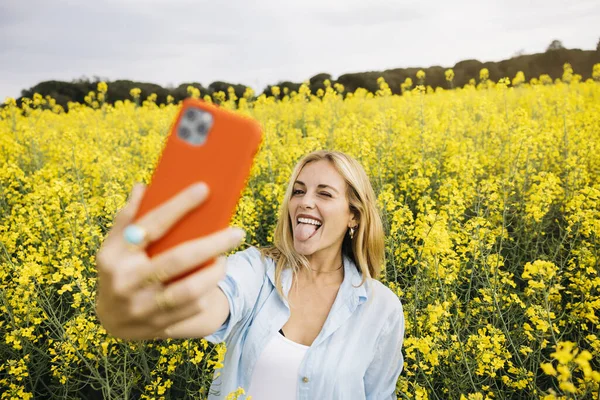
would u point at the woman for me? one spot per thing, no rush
(303, 319)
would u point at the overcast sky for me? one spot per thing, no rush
(260, 42)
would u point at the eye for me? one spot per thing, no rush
(326, 194)
(297, 191)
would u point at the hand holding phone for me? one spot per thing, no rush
(186, 225)
(206, 144)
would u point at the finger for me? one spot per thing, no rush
(126, 215)
(179, 295)
(188, 290)
(177, 315)
(158, 221)
(191, 254)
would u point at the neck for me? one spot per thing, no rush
(325, 268)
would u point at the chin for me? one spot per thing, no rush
(304, 248)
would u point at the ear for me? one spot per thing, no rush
(353, 222)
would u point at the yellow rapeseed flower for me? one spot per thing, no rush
(135, 93)
(468, 182)
(102, 87)
(484, 74)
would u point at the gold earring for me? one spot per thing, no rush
(352, 229)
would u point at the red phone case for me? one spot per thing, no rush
(223, 162)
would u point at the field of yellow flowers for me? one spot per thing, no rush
(490, 194)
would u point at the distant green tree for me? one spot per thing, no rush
(180, 92)
(518, 53)
(532, 65)
(317, 81)
(319, 78)
(555, 45)
(224, 87)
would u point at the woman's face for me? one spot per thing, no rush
(319, 209)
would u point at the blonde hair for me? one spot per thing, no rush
(366, 249)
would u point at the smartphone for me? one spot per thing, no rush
(205, 144)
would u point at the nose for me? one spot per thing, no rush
(307, 201)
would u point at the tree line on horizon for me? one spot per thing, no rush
(532, 65)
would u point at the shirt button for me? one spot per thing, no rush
(305, 379)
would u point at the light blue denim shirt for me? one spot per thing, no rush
(357, 355)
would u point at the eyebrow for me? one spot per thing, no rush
(319, 186)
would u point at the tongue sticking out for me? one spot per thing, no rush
(304, 231)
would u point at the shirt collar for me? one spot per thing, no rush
(351, 292)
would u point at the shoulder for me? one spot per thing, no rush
(251, 253)
(385, 301)
(250, 257)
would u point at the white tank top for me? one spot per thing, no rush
(275, 375)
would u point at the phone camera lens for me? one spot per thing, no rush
(184, 132)
(190, 115)
(201, 128)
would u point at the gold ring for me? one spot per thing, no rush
(163, 302)
(155, 277)
(133, 247)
